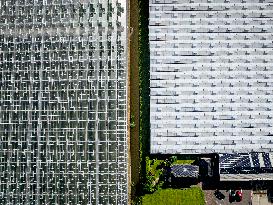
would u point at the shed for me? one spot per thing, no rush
(185, 171)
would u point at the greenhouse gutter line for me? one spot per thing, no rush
(97, 150)
(96, 115)
(96, 129)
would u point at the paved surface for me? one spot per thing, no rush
(260, 199)
(211, 199)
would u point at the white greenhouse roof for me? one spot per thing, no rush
(211, 76)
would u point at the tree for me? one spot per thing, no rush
(173, 159)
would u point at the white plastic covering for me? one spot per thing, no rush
(211, 76)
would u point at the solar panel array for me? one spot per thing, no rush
(63, 107)
(211, 76)
(254, 162)
(185, 171)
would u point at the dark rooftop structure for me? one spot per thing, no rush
(246, 166)
(179, 170)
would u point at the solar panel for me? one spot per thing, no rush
(266, 159)
(255, 159)
(185, 170)
(244, 162)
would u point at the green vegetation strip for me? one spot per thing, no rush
(144, 75)
(144, 86)
(192, 196)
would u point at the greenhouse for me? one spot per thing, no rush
(211, 76)
(63, 102)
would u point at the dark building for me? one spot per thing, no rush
(246, 167)
(183, 175)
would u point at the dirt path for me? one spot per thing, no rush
(134, 97)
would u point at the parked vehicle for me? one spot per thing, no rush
(235, 196)
(219, 195)
(232, 195)
(239, 196)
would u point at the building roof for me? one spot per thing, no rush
(179, 170)
(63, 102)
(246, 166)
(246, 177)
(246, 163)
(211, 76)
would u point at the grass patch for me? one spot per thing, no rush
(155, 163)
(156, 172)
(192, 196)
(187, 161)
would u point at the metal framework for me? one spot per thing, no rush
(63, 102)
(211, 76)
